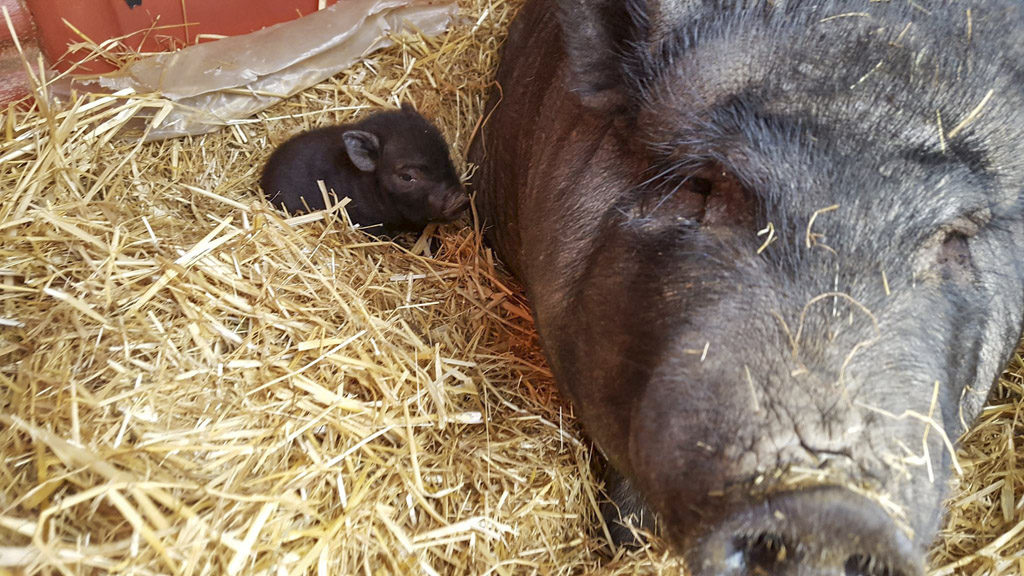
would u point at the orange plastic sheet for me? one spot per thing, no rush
(214, 83)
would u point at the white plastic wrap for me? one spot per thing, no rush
(214, 83)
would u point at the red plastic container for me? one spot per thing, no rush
(14, 83)
(151, 25)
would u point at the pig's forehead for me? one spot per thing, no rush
(867, 200)
(870, 146)
(417, 136)
(888, 71)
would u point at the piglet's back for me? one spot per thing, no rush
(293, 169)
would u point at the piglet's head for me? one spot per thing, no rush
(409, 157)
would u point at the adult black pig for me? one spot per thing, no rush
(773, 251)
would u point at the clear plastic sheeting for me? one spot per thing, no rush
(213, 83)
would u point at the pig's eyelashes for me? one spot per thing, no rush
(708, 196)
(729, 203)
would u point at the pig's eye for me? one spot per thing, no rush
(708, 196)
(954, 258)
(947, 255)
(410, 172)
(954, 251)
(699, 185)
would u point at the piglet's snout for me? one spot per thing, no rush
(455, 202)
(825, 531)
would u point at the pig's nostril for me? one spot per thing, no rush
(866, 565)
(820, 531)
(770, 553)
(762, 553)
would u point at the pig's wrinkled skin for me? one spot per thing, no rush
(784, 401)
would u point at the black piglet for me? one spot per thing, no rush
(393, 165)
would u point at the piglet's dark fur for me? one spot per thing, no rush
(393, 165)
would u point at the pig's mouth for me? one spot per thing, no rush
(824, 530)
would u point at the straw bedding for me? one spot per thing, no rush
(190, 384)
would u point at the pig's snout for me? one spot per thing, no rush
(455, 201)
(820, 531)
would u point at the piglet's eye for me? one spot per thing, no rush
(405, 176)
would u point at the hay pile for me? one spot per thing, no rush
(191, 385)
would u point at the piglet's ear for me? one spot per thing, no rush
(409, 108)
(363, 149)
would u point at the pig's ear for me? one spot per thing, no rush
(609, 44)
(596, 32)
(601, 37)
(363, 149)
(409, 108)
